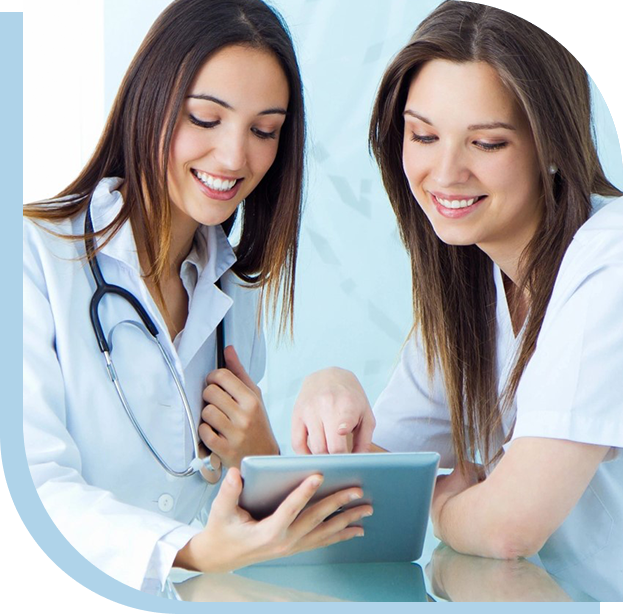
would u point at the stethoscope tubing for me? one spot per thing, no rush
(103, 288)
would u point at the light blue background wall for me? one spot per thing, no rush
(353, 305)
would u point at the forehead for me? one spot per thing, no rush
(469, 90)
(243, 75)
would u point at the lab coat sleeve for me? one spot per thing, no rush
(573, 386)
(411, 412)
(118, 538)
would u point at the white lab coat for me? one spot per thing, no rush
(572, 389)
(95, 476)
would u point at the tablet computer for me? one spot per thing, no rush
(398, 485)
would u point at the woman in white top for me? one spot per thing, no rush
(209, 116)
(482, 132)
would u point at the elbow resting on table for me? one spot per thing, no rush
(512, 540)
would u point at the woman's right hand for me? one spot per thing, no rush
(332, 414)
(233, 539)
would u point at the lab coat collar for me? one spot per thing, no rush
(211, 241)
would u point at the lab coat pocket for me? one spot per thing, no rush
(584, 533)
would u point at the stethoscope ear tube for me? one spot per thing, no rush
(220, 338)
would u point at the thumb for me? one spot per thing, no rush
(346, 425)
(229, 493)
(235, 366)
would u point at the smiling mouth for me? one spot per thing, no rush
(217, 184)
(456, 203)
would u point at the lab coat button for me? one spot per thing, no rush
(165, 503)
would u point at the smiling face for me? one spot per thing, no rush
(227, 134)
(470, 159)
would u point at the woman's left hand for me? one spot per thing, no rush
(235, 423)
(452, 484)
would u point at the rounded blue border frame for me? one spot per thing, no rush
(41, 569)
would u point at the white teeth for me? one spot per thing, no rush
(214, 183)
(456, 204)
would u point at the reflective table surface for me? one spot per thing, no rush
(441, 574)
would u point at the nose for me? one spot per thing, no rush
(231, 151)
(450, 166)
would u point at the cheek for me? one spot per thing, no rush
(263, 158)
(186, 146)
(412, 168)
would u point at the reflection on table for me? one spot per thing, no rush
(441, 574)
(333, 582)
(459, 577)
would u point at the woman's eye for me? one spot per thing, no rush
(202, 124)
(264, 135)
(420, 138)
(490, 146)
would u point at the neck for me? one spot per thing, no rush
(183, 229)
(182, 237)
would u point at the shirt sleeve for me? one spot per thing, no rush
(412, 413)
(132, 545)
(572, 387)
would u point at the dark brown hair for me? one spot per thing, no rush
(138, 132)
(453, 289)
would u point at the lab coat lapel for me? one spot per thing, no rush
(208, 304)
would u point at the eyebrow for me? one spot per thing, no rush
(226, 105)
(486, 126)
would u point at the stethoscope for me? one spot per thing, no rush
(204, 466)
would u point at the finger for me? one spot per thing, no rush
(213, 394)
(226, 501)
(316, 441)
(320, 511)
(299, 437)
(294, 503)
(340, 437)
(337, 443)
(326, 530)
(217, 420)
(235, 366)
(213, 440)
(342, 536)
(362, 437)
(233, 386)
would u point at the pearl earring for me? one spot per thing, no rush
(553, 169)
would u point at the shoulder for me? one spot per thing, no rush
(596, 247)
(245, 297)
(602, 233)
(48, 239)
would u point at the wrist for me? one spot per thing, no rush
(184, 558)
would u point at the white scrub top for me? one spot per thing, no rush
(571, 389)
(96, 478)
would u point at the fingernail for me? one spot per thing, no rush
(368, 513)
(316, 481)
(342, 426)
(359, 534)
(354, 495)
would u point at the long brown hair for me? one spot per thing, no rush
(454, 295)
(138, 132)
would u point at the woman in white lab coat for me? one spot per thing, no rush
(209, 116)
(482, 132)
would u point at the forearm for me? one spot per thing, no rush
(521, 503)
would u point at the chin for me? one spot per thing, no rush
(454, 238)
